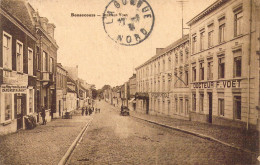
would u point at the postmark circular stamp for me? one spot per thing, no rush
(128, 22)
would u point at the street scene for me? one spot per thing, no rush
(129, 82)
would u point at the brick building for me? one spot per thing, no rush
(17, 68)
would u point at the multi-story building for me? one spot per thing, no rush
(61, 90)
(163, 81)
(71, 97)
(154, 81)
(180, 80)
(17, 66)
(132, 86)
(132, 91)
(224, 64)
(46, 60)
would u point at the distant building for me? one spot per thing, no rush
(61, 90)
(71, 97)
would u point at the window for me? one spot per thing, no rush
(7, 51)
(181, 56)
(159, 86)
(169, 63)
(237, 107)
(186, 106)
(163, 65)
(19, 56)
(51, 64)
(31, 101)
(176, 105)
(38, 58)
(30, 61)
(194, 41)
(202, 40)
(194, 102)
(176, 58)
(221, 107)
(181, 79)
(194, 73)
(222, 30)
(158, 67)
(169, 85)
(210, 35)
(221, 67)
(201, 102)
(210, 70)
(44, 61)
(181, 105)
(8, 106)
(201, 71)
(238, 23)
(154, 85)
(186, 78)
(237, 63)
(163, 86)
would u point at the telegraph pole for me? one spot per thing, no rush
(182, 26)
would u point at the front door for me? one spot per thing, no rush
(60, 108)
(20, 108)
(147, 106)
(210, 107)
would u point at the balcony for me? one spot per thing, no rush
(45, 76)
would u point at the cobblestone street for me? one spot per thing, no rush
(46, 144)
(115, 139)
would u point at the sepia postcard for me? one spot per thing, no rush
(138, 82)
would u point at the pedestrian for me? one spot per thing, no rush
(43, 114)
(82, 111)
(86, 111)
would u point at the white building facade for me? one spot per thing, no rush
(223, 64)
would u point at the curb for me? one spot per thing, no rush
(73, 145)
(198, 135)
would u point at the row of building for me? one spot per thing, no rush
(211, 74)
(30, 76)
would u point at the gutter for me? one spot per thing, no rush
(249, 62)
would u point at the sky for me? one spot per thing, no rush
(83, 41)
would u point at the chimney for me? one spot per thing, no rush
(159, 50)
(50, 29)
(44, 21)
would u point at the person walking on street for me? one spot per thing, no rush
(86, 111)
(82, 111)
(43, 114)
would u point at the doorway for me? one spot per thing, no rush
(20, 109)
(210, 106)
(59, 108)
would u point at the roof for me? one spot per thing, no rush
(208, 10)
(167, 49)
(20, 11)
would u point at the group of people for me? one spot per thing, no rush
(89, 110)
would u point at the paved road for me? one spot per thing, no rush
(115, 139)
(46, 144)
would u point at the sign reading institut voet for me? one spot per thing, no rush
(217, 84)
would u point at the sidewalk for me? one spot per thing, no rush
(45, 144)
(232, 136)
(236, 137)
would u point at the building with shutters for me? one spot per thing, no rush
(17, 66)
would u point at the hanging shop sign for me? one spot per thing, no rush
(13, 89)
(217, 84)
